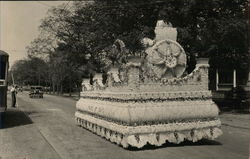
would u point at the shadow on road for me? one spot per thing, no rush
(185, 143)
(15, 117)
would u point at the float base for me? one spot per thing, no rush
(139, 136)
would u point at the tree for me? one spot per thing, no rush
(214, 28)
(42, 46)
(30, 71)
(100, 23)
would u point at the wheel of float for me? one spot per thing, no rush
(168, 59)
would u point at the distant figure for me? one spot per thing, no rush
(13, 91)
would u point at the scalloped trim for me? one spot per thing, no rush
(127, 136)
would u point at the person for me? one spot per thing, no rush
(13, 91)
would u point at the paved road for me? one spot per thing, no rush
(45, 128)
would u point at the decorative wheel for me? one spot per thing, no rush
(167, 59)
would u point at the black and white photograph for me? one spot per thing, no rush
(125, 79)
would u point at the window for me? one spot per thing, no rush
(226, 78)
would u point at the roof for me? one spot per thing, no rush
(3, 53)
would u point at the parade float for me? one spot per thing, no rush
(151, 100)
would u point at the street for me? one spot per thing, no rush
(45, 128)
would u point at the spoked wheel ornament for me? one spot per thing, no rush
(167, 59)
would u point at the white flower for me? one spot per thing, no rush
(147, 42)
(171, 62)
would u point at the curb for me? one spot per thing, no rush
(233, 126)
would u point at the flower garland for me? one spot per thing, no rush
(148, 96)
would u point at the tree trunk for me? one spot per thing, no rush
(70, 81)
(61, 88)
(39, 79)
(53, 87)
(57, 89)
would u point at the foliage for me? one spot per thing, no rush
(30, 71)
(42, 46)
(214, 28)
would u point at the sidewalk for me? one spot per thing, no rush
(21, 139)
(236, 120)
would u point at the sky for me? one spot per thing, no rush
(19, 21)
